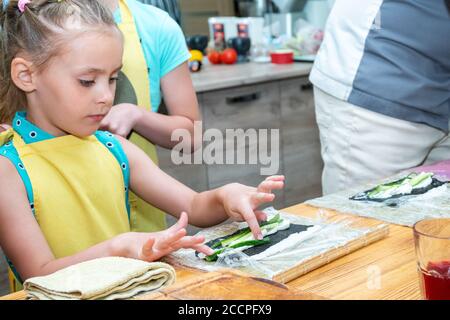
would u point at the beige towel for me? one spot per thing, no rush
(105, 278)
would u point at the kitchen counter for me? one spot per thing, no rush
(214, 77)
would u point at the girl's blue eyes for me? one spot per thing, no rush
(90, 83)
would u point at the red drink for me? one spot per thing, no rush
(436, 281)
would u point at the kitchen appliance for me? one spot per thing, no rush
(283, 18)
(197, 42)
(251, 27)
(283, 24)
(286, 6)
(242, 46)
(251, 8)
(224, 28)
(220, 30)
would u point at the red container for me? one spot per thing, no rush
(282, 57)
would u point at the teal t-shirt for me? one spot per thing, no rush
(162, 41)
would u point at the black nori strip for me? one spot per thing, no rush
(434, 184)
(215, 244)
(274, 239)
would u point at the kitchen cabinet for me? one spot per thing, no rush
(301, 145)
(192, 175)
(283, 104)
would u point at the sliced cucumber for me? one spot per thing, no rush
(244, 238)
(249, 243)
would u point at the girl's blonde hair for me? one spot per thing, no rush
(38, 31)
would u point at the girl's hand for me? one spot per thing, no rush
(4, 127)
(121, 119)
(162, 243)
(240, 202)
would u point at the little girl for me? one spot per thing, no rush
(64, 184)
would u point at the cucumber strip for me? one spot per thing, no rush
(420, 178)
(252, 243)
(246, 232)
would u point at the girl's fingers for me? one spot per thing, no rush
(4, 127)
(269, 185)
(260, 215)
(189, 242)
(276, 178)
(180, 224)
(250, 217)
(203, 249)
(193, 242)
(123, 132)
(147, 249)
(261, 198)
(169, 238)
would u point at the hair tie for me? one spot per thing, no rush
(5, 4)
(22, 4)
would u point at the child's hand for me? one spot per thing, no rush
(4, 127)
(164, 242)
(240, 201)
(121, 119)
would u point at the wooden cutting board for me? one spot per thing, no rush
(228, 285)
(378, 231)
(374, 230)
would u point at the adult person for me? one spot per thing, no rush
(382, 89)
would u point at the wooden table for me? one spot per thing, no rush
(383, 270)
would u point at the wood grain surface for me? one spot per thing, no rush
(229, 285)
(383, 270)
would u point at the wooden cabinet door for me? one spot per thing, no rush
(301, 144)
(249, 108)
(286, 105)
(193, 175)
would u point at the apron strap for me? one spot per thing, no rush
(134, 58)
(113, 145)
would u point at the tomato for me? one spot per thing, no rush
(214, 57)
(229, 56)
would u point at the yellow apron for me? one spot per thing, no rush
(134, 87)
(83, 180)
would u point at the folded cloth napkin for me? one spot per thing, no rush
(104, 278)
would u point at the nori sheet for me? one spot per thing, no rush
(434, 184)
(274, 239)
